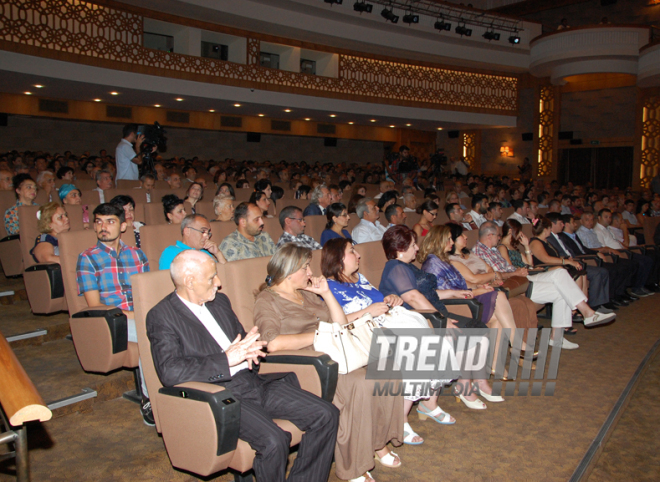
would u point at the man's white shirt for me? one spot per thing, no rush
(366, 231)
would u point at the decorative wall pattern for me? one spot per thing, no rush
(650, 152)
(470, 150)
(95, 32)
(546, 130)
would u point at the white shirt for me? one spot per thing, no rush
(409, 210)
(630, 217)
(206, 318)
(606, 238)
(367, 231)
(565, 210)
(478, 219)
(101, 194)
(520, 218)
(126, 168)
(618, 235)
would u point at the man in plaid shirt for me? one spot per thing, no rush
(103, 273)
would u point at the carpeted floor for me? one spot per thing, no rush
(525, 438)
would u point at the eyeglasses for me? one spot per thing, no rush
(203, 231)
(300, 220)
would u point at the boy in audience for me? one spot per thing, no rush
(104, 275)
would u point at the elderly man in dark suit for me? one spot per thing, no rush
(195, 336)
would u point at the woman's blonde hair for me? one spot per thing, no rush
(46, 213)
(286, 261)
(435, 242)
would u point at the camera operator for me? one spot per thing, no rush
(125, 157)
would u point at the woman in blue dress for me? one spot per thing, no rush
(419, 291)
(340, 264)
(338, 218)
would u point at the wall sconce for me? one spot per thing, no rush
(506, 151)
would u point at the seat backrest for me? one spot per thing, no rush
(157, 194)
(222, 229)
(272, 227)
(412, 219)
(27, 220)
(127, 184)
(71, 245)
(75, 213)
(155, 238)
(299, 203)
(85, 184)
(506, 212)
(315, 226)
(139, 212)
(153, 213)
(241, 282)
(148, 290)
(203, 207)
(472, 237)
(528, 230)
(372, 261)
(92, 197)
(243, 195)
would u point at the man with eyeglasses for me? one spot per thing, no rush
(293, 224)
(195, 234)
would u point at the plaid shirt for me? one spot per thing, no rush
(301, 240)
(493, 257)
(102, 268)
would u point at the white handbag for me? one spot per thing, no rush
(399, 317)
(348, 344)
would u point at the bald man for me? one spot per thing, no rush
(196, 337)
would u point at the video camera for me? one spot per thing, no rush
(154, 136)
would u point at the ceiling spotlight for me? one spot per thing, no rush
(491, 35)
(439, 128)
(410, 18)
(237, 105)
(351, 123)
(39, 86)
(179, 99)
(363, 7)
(211, 110)
(463, 30)
(307, 119)
(331, 2)
(155, 105)
(442, 25)
(28, 93)
(514, 39)
(392, 127)
(287, 110)
(97, 100)
(260, 115)
(389, 15)
(408, 125)
(333, 115)
(372, 120)
(114, 93)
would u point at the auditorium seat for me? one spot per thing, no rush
(243, 195)
(189, 417)
(221, 229)
(272, 227)
(98, 332)
(315, 226)
(42, 198)
(84, 183)
(155, 238)
(528, 230)
(10, 246)
(153, 214)
(92, 197)
(75, 213)
(127, 184)
(299, 203)
(472, 237)
(412, 219)
(43, 281)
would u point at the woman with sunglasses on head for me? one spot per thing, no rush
(429, 212)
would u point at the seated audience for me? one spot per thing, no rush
(456, 215)
(479, 209)
(429, 213)
(223, 351)
(104, 182)
(128, 205)
(302, 192)
(194, 194)
(262, 201)
(390, 197)
(53, 221)
(494, 213)
(223, 207)
(249, 240)
(521, 211)
(226, 190)
(293, 225)
(409, 203)
(242, 184)
(104, 275)
(338, 217)
(148, 183)
(66, 174)
(287, 312)
(395, 215)
(336, 193)
(173, 208)
(26, 191)
(174, 181)
(553, 286)
(70, 195)
(353, 202)
(195, 234)
(619, 229)
(265, 186)
(5, 180)
(46, 183)
(369, 228)
(320, 198)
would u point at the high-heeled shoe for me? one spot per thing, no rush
(504, 377)
(474, 405)
(534, 357)
(488, 396)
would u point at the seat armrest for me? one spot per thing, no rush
(326, 369)
(225, 408)
(117, 324)
(54, 273)
(476, 308)
(11, 237)
(590, 257)
(640, 249)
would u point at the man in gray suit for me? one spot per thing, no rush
(195, 336)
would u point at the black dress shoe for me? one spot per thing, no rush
(628, 298)
(619, 301)
(611, 306)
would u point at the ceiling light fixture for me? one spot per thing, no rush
(28, 93)
(463, 30)
(114, 93)
(179, 99)
(260, 115)
(392, 127)
(237, 105)
(39, 86)
(410, 18)
(211, 110)
(97, 100)
(408, 125)
(331, 2)
(287, 110)
(155, 105)
(439, 128)
(389, 15)
(372, 120)
(351, 123)
(363, 7)
(333, 115)
(514, 39)
(440, 24)
(491, 35)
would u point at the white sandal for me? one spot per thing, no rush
(363, 478)
(388, 460)
(409, 434)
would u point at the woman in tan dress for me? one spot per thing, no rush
(287, 312)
